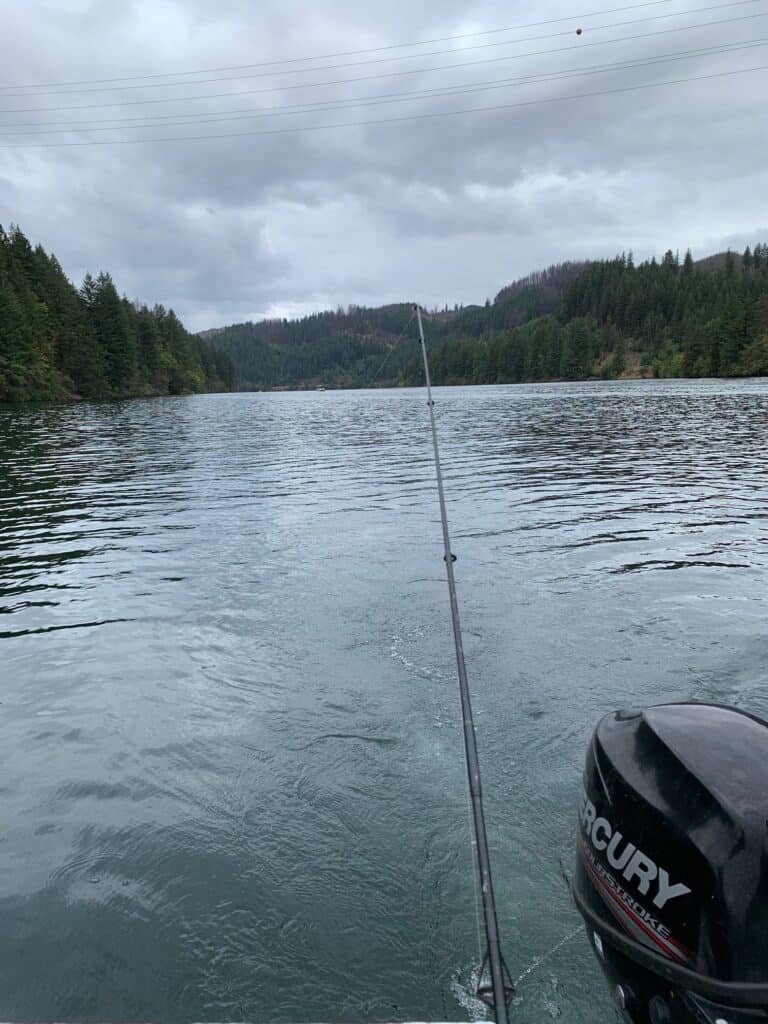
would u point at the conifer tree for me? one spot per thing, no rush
(112, 328)
(57, 341)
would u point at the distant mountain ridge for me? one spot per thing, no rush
(345, 348)
(618, 319)
(553, 281)
(631, 321)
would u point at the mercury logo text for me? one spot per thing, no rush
(637, 868)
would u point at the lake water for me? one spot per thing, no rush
(232, 777)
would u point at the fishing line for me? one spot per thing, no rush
(539, 961)
(472, 855)
(472, 843)
(475, 886)
(501, 990)
(394, 346)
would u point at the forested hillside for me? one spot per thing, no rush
(341, 349)
(668, 319)
(57, 342)
(574, 321)
(347, 348)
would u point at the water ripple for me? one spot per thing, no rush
(233, 784)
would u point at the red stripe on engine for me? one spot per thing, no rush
(606, 890)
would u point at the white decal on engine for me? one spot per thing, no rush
(635, 866)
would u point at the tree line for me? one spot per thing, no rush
(58, 341)
(663, 319)
(344, 348)
(574, 321)
(358, 346)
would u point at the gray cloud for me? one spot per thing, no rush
(442, 209)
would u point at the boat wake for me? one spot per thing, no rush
(464, 984)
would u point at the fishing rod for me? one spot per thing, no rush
(498, 994)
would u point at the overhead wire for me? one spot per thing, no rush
(388, 75)
(342, 53)
(221, 117)
(414, 56)
(392, 120)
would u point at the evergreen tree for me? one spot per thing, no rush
(674, 320)
(153, 369)
(112, 327)
(56, 341)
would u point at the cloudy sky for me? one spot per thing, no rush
(253, 210)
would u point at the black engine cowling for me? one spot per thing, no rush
(672, 862)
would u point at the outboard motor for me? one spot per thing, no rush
(672, 863)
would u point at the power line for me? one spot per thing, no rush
(391, 120)
(342, 53)
(392, 74)
(326, 105)
(389, 60)
(451, 91)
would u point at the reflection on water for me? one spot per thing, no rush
(232, 781)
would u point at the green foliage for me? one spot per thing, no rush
(57, 342)
(347, 348)
(664, 320)
(344, 348)
(575, 321)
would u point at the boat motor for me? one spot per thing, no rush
(672, 863)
